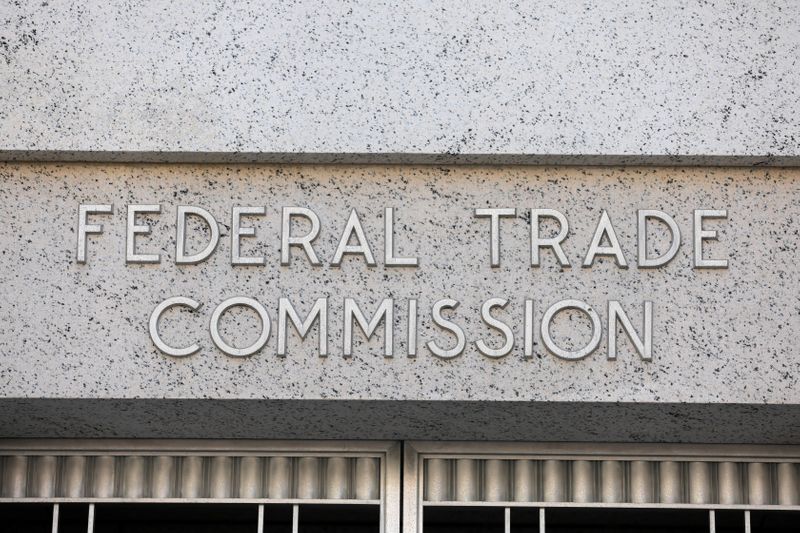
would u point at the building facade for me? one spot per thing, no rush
(389, 267)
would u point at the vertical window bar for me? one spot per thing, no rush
(508, 520)
(90, 524)
(261, 518)
(747, 522)
(55, 518)
(712, 522)
(295, 518)
(541, 520)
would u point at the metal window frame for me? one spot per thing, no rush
(416, 452)
(387, 452)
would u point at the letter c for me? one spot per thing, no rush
(156, 315)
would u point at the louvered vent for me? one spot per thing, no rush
(611, 481)
(190, 477)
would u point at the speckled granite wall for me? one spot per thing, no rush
(619, 81)
(724, 339)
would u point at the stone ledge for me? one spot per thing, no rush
(609, 77)
(391, 420)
